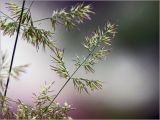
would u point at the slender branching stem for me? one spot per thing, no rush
(30, 6)
(17, 102)
(42, 19)
(71, 77)
(47, 18)
(5, 15)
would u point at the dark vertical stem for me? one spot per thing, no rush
(14, 49)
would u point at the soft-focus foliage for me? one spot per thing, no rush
(41, 101)
(55, 110)
(15, 73)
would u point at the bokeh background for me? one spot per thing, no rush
(130, 72)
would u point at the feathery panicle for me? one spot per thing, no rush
(23, 111)
(99, 37)
(77, 14)
(9, 28)
(37, 37)
(82, 84)
(55, 111)
(60, 66)
(16, 11)
(98, 47)
(98, 44)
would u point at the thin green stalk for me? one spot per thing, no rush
(30, 6)
(71, 77)
(7, 16)
(47, 19)
(41, 19)
(29, 10)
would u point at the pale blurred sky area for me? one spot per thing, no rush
(130, 72)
